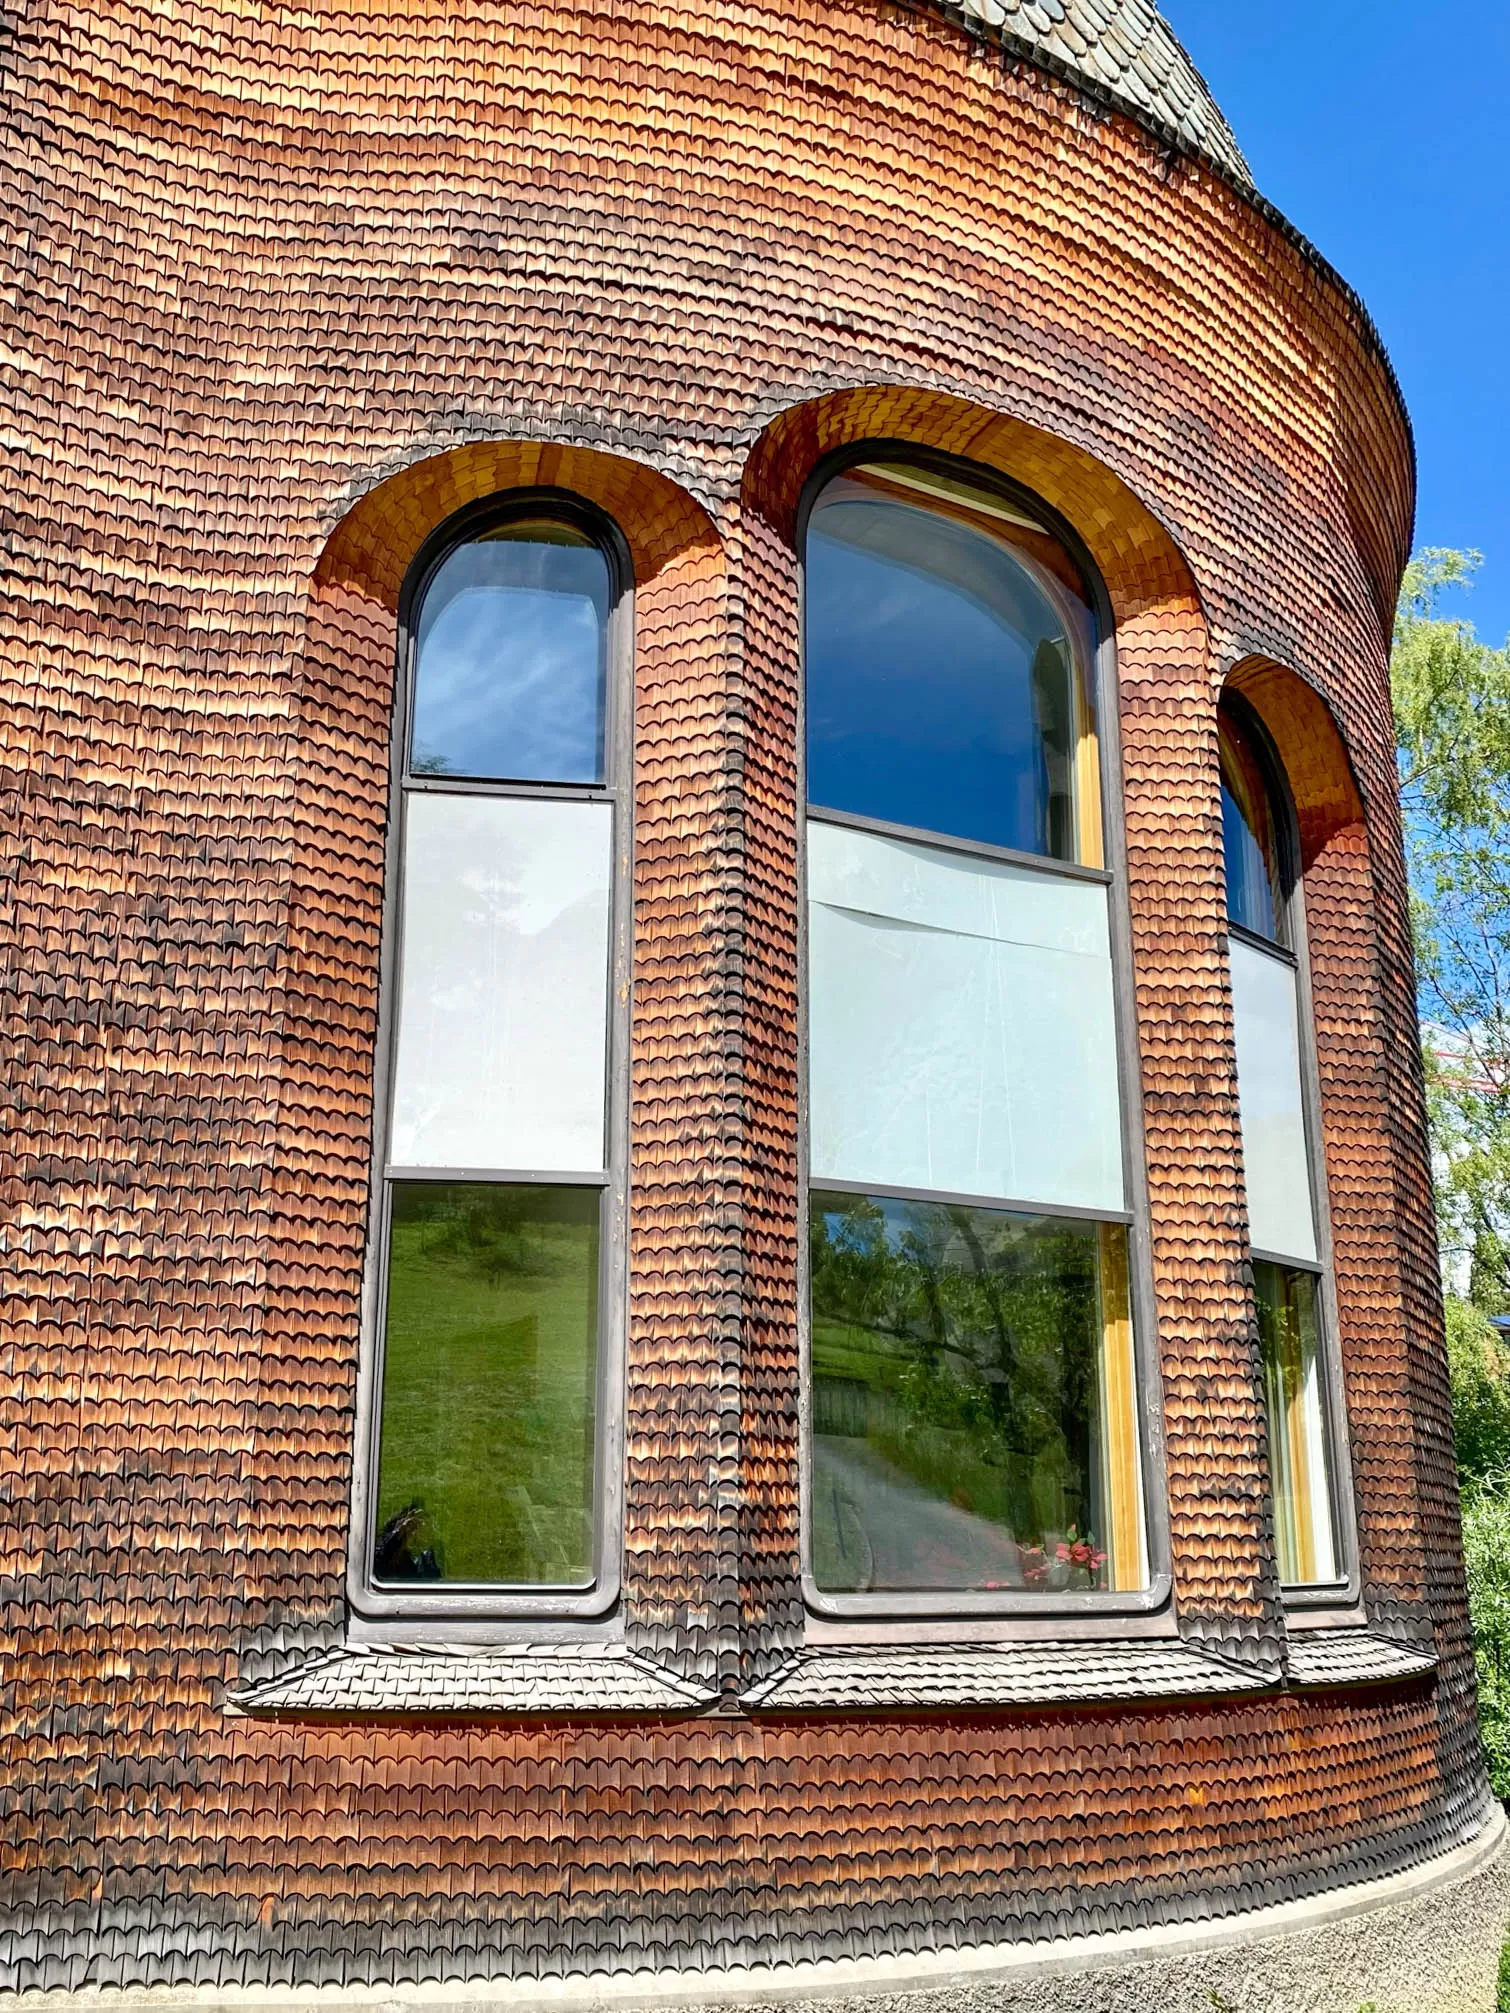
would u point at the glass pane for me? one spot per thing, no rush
(485, 1464)
(511, 659)
(1250, 837)
(503, 995)
(1299, 1443)
(941, 666)
(958, 1441)
(1276, 1160)
(961, 1033)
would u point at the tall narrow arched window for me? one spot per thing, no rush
(490, 1482)
(1286, 1213)
(973, 1390)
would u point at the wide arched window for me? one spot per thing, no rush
(974, 1437)
(1286, 1213)
(496, 1284)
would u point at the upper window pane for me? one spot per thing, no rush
(944, 652)
(1250, 837)
(511, 660)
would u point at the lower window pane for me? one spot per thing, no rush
(485, 1463)
(974, 1419)
(1299, 1442)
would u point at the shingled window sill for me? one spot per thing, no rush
(557, 1680)
(1324, 1659)
(1054, 1674)
(578, 1681)
(1008, 1674)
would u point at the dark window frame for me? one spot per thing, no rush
(998, 1615)
(1327, 1598)
(489, 1612)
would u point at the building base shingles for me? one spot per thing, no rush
(637, 1930)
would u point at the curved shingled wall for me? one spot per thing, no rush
(290, 286)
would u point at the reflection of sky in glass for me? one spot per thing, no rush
(922, 637)
(511, 661)
(1250, 888)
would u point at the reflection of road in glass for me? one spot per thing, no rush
(875, 1528)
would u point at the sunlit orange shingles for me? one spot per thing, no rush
(146, 1047)
(320, 1179)
(1213, 1418)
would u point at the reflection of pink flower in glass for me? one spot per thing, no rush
(1035, 1566)
(1084, 1553)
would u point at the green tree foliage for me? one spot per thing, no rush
(1480, 1372)
(1479, 1367)
(1452, 719)
(1451, 697)
(1486, 1548)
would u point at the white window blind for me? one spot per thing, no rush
(961, 1033)
(503, 993)
(1265, 1006)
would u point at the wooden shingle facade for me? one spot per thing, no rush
(290, 290)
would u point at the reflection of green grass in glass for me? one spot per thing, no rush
(488, 1384)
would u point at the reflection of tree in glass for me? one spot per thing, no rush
(493, 1228)
(423, 763)
(970, 1341)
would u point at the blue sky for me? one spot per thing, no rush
(1382, 129)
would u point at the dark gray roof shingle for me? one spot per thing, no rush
(1126, 51)
(1352, 1656)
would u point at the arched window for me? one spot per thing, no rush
(973, 1392)
(1280, 1154)
(496, 1244)
(948, 667)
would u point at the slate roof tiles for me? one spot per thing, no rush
(1126, 51)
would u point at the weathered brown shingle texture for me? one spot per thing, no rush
(288, 288)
